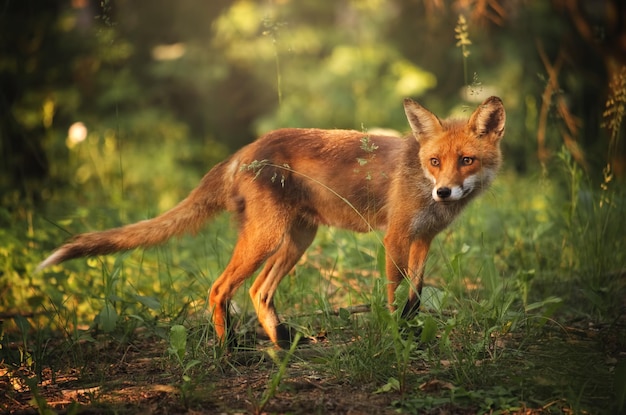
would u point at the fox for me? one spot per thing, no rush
(286, 184)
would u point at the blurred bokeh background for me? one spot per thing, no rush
(153, 92)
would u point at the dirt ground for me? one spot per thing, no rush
(144, 379)
(141, 377)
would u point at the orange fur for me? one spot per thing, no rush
(286, 184)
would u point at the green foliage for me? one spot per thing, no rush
(502, 284)
(178, 349)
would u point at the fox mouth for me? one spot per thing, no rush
(447, 202)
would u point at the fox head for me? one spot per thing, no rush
(458, 157)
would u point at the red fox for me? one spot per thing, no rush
(283, 186)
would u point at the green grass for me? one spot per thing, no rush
(524, 309)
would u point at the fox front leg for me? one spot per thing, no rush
(405, 261)
(418, 253)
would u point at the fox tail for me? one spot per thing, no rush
(204, 202)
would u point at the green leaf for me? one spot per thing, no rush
(539, 304)
(108, 317)
(429, 331)
(192, 364)
(22, 323)
(152, 303)
(392, 384)
(432, 298)
(344, 314)
(178, 340)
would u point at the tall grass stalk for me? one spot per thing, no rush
(276, 379)
(463, 41)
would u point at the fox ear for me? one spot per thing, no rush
(489, 118)
(423, 122)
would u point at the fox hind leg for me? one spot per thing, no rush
(223, 289)
(254, 246)
(294, 243)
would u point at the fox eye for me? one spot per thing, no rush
(466, 161)
(434, 162)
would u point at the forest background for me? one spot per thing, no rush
(112, 110)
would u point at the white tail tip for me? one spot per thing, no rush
(51, 260)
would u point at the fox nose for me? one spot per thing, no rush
(444, 192)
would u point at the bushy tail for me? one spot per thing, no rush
(188, 216)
